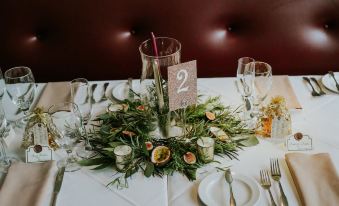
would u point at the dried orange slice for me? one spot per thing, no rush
(210, 115)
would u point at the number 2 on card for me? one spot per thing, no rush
(182, 75)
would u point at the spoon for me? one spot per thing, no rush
(229, 180)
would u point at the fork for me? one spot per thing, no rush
(321, 91)
(314, 92)
(276, 175)
(266, 184)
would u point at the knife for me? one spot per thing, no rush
(57, 186)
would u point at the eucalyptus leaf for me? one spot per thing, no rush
(149, 169)
(95, 161)
(250, 141)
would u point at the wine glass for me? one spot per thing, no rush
(68, 127)
(262, 84)
(20, 87)
(245, 80)
(5, 161)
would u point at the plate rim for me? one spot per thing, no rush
(238, 176)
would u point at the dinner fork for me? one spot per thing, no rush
(321, 91)
(314, 92)
(266, 184)
(276, 175)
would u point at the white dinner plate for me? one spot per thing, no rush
(214, 190)
(120, 92)
(329, 82)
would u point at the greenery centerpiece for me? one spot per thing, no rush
(132, 123)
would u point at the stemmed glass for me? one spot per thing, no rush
(5, 161)
(82, 97)
(245, 80)
(20, 87)
(67, 125)
(262, 84)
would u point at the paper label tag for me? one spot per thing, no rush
(182, 85)
(38, 153)
(299, 142)
(40, 134)
(280, 128)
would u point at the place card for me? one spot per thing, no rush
(299, 142)
(182, 85)
(38, 153)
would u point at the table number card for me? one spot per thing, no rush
(299, 142)
(182, 85)
(38, 153)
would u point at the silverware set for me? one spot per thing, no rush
(314, 92)
(316, 87)
(265, 181)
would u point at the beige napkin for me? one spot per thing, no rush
(315, 178)
(28, 184)
(281, 86)
(53, 93)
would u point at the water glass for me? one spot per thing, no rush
(81, 96)
(20, 86)
(262, 84)
(68, 127)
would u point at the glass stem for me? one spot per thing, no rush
(69, 155)
(3, 149)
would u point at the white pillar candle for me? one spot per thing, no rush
(123, 154)
(206, 148)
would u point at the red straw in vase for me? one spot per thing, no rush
(154, 43)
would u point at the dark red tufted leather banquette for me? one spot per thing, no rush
(64, 39)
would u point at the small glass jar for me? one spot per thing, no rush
(123, 155)
(205, 146)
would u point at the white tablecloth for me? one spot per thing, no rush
(319, 118)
